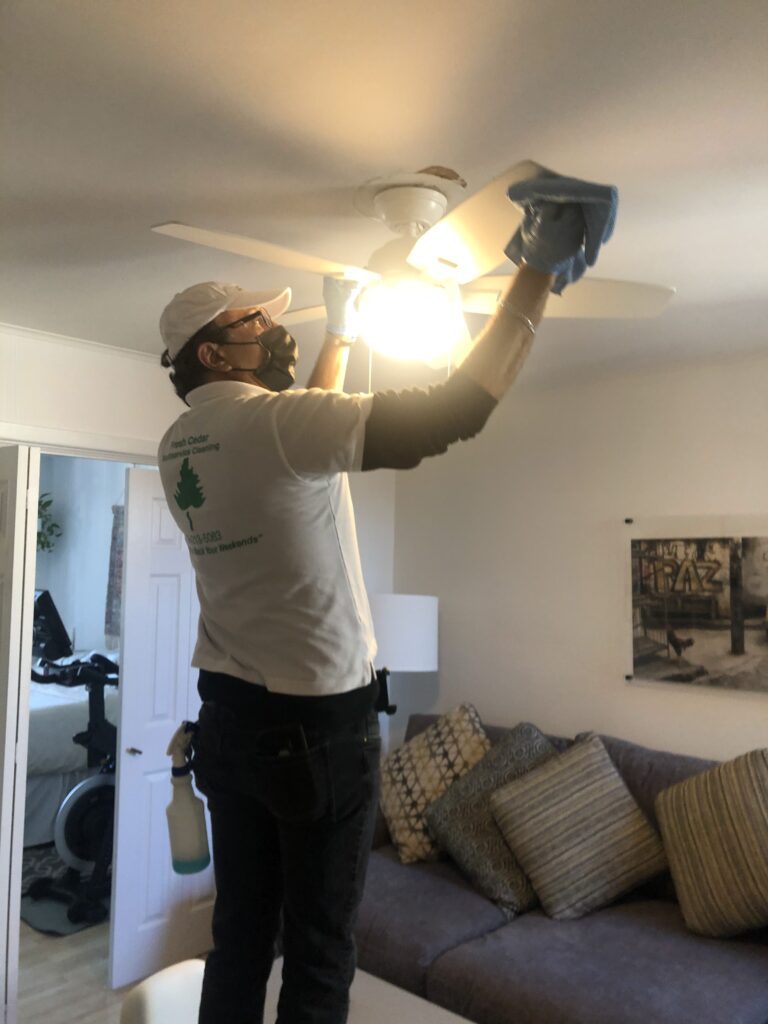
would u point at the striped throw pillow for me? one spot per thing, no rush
(715, 832)
(421, 770)
(577, 832)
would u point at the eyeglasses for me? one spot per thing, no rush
(263, 321)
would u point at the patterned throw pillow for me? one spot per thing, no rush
(462, 822)
(421, 770)
(577, 832)
(715, 831)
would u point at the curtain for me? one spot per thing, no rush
(115, 579)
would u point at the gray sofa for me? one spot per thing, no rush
(425, 928)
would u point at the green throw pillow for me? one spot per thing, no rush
(715, 831)
(577, 832)
(462, 822)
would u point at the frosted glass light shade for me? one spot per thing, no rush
(412, 320)
(405, 626)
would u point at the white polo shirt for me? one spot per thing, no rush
(256, 481)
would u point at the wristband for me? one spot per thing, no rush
(528, 323)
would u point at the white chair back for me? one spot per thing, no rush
(170, 995)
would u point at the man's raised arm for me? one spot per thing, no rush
(330, 369)
(341, 333)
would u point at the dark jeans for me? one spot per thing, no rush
(292, 814)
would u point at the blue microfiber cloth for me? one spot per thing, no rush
(565, 221)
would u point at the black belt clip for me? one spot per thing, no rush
(382, 704)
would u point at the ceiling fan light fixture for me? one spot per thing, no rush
(411, 320)
(409, 209)
(435, 248)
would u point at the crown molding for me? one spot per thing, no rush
(24, 334)
(55, 441)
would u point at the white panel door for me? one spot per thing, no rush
(158, 917)
(19, 486)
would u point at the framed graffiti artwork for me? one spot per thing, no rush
(699, 602)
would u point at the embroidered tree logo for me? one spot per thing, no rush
(189, 493)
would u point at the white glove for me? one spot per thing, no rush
(340, 295)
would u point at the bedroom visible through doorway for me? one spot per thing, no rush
(73, 692)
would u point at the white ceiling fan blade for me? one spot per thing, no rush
(591, 297)
(302, 316)
(257, 250)
(469, 241)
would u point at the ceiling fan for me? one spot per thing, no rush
(436, 246)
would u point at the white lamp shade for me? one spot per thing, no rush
(405, 626)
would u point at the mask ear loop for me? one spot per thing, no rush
(268, 363)
(252, 369)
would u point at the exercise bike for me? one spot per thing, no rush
(84, 827)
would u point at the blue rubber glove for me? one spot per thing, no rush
(565, 222)
(340, 295)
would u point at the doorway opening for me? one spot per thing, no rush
(64, 949)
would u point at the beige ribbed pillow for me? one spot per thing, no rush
(421, 770)
(577, 832)
(715, 831)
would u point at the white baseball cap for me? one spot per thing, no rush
(197, 305)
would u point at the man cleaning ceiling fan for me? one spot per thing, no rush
(287, 744)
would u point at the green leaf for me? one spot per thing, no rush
(48, 528)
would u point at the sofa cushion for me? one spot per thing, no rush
(576, 831)
(421, 770)
(647, 771)
(411, 914)
(715, 832)
(632, 963)
(462, 823)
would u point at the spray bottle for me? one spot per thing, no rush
(186, 815)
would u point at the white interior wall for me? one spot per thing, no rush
(64, 392)
(373, 495)
(521, 534)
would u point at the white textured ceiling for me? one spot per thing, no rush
(262, 117)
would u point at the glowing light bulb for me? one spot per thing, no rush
(412, 319)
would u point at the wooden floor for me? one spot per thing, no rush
(63, 980)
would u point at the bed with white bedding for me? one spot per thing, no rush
(54, 763)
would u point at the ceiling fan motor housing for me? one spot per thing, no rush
(410, 209)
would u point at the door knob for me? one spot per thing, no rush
(133, 750)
